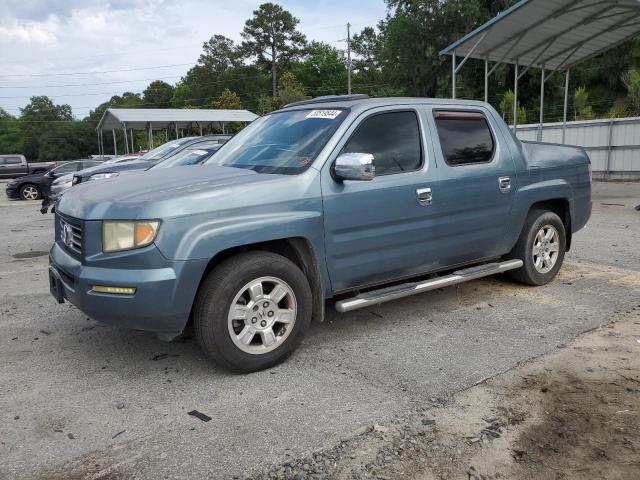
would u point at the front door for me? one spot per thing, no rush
(377, 230)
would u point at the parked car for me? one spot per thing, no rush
(37, 185)
(145, 161)
(14, 166)
(195, 153)
(363, 200)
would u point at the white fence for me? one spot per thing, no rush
(612, 144)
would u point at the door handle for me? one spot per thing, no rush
(424, 196)
(505, 184)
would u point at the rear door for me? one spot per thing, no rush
(475, 186)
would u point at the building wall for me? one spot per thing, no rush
(612, 144)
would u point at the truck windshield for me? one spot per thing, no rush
(282, 143)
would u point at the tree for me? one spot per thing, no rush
(11, 136)
(157, 95)
(272, 38)
(291, 90)
(36, 117)
(182, 96)
(414, 32)
(322, 70)
(219, 54)
(227, 100)
(366, 46)
(506, 108)
(67, 141)
(631, 81)
(582, 109)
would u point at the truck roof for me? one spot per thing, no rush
(366, 102)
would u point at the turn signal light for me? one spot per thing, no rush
(114, 290)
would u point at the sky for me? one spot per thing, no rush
(81, 52)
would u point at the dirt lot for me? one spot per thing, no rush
(386, 392)
(571, 414)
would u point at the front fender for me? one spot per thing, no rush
(204, 236)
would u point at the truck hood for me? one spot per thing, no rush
(162, 193)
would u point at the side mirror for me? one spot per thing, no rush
(355, 166)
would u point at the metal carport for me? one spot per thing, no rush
(552, 35)
(149, 119)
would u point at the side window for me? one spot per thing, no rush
(67, 168)
(392, 138)
(465, 137)
(12, 160)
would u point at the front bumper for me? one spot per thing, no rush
(162, 301)
(12, 192)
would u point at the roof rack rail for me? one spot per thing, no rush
(329, 99)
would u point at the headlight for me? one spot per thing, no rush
(118, 236)
(102, 176)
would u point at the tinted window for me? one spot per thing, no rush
(392, 138)
(66, 168)
(465, 137)
(12, 160)
(89, 164)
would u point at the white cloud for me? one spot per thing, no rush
(62, 36)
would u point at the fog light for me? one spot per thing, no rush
(115, 290)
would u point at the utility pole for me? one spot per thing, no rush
(349, 58)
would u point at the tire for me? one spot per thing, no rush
(225, 339)
(29, 191)
(538, 269)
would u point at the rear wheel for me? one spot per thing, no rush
(252, 311)
(30, 192)
(541, 247)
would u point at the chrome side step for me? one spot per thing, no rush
(387, 294)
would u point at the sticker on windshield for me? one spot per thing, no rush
(200, 152)
(328, 114)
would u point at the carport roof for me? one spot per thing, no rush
(555, 34)
(140, 118)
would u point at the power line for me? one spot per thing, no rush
(91, 84)
(120, 53)
(95, 73)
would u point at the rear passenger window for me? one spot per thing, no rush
(465, 137)
(392, 138)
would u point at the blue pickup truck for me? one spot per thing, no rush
(355, 199)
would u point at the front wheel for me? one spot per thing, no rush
(541, 247)
(252, 311)
(30, 192)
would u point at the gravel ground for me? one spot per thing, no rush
(85, 400)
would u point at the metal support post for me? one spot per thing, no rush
(453, 74)
(131, 136)
(126, 140)
(541, 105)
(566, 103)
(115, 147)
(515, 100)
(349, 58)
(486, 80)
(609, 148)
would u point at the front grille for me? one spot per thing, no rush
(71, 233)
